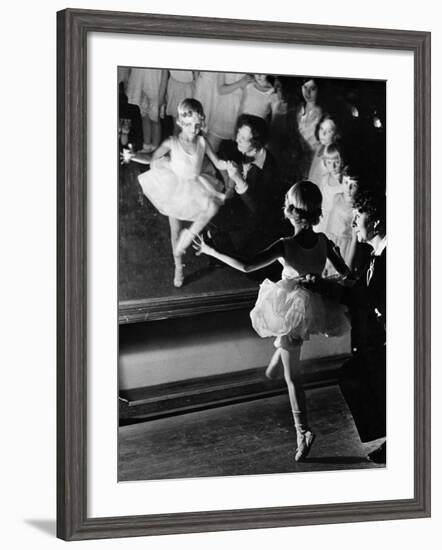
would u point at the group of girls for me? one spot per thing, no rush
(318, 207)
(223, 96)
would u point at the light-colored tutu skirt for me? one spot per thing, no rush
(286, 308)
(184, 198)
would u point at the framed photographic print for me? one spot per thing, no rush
(225, 189)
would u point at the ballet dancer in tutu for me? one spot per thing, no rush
(286, 309)
(175, 185)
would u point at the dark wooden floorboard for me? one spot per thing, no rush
(256, 437)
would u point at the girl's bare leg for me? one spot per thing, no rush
(147, 132)
(274, 363)
(291, 363)
(187, 235)
(175, 228)
(156, 133)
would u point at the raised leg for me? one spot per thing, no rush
(187, 235)
(271, 370)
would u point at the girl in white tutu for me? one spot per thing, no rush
(175, 185)
(286, 309)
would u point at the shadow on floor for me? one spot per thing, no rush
(48, 526)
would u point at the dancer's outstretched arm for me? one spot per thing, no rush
(260, 260)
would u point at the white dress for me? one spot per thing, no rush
(143, 89)
(329, 187)
(317, 170)
(257, 102)
(226, 109)
(339, 228)
(175, 185)
(286, 308)
(179, 87)
(307, 122)
(206, 92)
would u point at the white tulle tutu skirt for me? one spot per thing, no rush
(286, 308)
(184, 198)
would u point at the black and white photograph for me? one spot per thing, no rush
(252, 240)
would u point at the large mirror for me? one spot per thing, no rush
(267, 128)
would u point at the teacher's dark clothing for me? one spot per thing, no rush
(253, 219)
(363, 380)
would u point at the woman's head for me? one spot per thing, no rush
(369, 214)
(309, 89)
(326, 131)
(303, 202)
(251, 134)
(191, 116)
(333, 159)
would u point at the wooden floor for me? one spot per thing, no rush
(256, 437)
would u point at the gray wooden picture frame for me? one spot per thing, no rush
(73, 27)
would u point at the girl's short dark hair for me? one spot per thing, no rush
(258, 127)
(303, 203)
(335, 149)
(351, 170)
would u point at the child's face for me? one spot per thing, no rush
(310, 91)
(327, 132)
(261, 80)
(333, 163)
(190, 127)
(350, 185)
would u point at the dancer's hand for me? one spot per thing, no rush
(127, 155)
(232, 169)
(311, 281)
(200, 246)
(245, 80)
(326, 287)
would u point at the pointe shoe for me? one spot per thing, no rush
(305, 441)
(184, 241)
(178, 278)
(270, 371)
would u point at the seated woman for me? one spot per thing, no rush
(251, 216)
